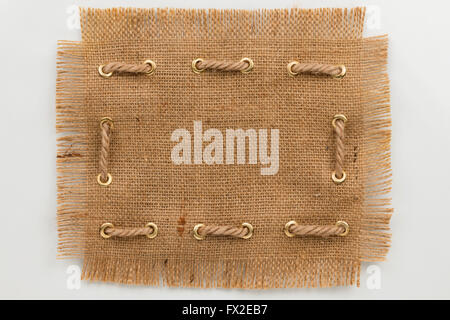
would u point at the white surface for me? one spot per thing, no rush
(418, 265)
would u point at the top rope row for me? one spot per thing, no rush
(245, 65)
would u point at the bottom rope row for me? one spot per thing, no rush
(201, 231)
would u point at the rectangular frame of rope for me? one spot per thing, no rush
(134, 216)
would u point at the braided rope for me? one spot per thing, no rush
(340, 148)
(243, 232)
(108, 230)
(317, 231)
(128, 232)
(222, 65)
(125, 67)
(104, 151)
(223, 231)
(316, 68)
(107, 70)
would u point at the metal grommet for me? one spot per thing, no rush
(287, 228)
(107, 182)
(250, 65)
(338, 180)
(106, 120)
(154, 232)
(338, 117)
(342, 73)
(250, 230)
(289, 68)
(103, 228)
(104, 75)
(196, 234)
(152, 65)
(194, 66)
(345, 226)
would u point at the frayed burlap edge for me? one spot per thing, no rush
(242, 273)
(374, 234)
(245, 273)
(71, 164)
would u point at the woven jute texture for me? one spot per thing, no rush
(148, 187)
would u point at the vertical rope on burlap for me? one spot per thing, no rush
(340, 148)
(106, 125)
(338, 123)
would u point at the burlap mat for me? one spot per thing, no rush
(148, 186)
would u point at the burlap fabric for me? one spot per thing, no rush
(149, 187)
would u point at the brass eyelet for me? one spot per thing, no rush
(338, 180)
(103, 228)
(104, 183)
(289, 68)
(196, 234)
(250, 230)
(104, 75)
(342, 73)
(106, 120)
(338, 117)
(345, 226)
(287, 228)
(152, 65)
(154, 232)
(194, 66)
(250, 65)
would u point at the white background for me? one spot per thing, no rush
(418, 264)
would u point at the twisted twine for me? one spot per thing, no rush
(126, 67)
(340, 147)
(317, 231)
(316, 68)
(238, 232)
(104, 151)
(128, 232)
(222, 65)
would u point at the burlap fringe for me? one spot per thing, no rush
(248, 273)
(374, 233)
(72, 146)
(236, 273)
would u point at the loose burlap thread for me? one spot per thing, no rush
(148, 187)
